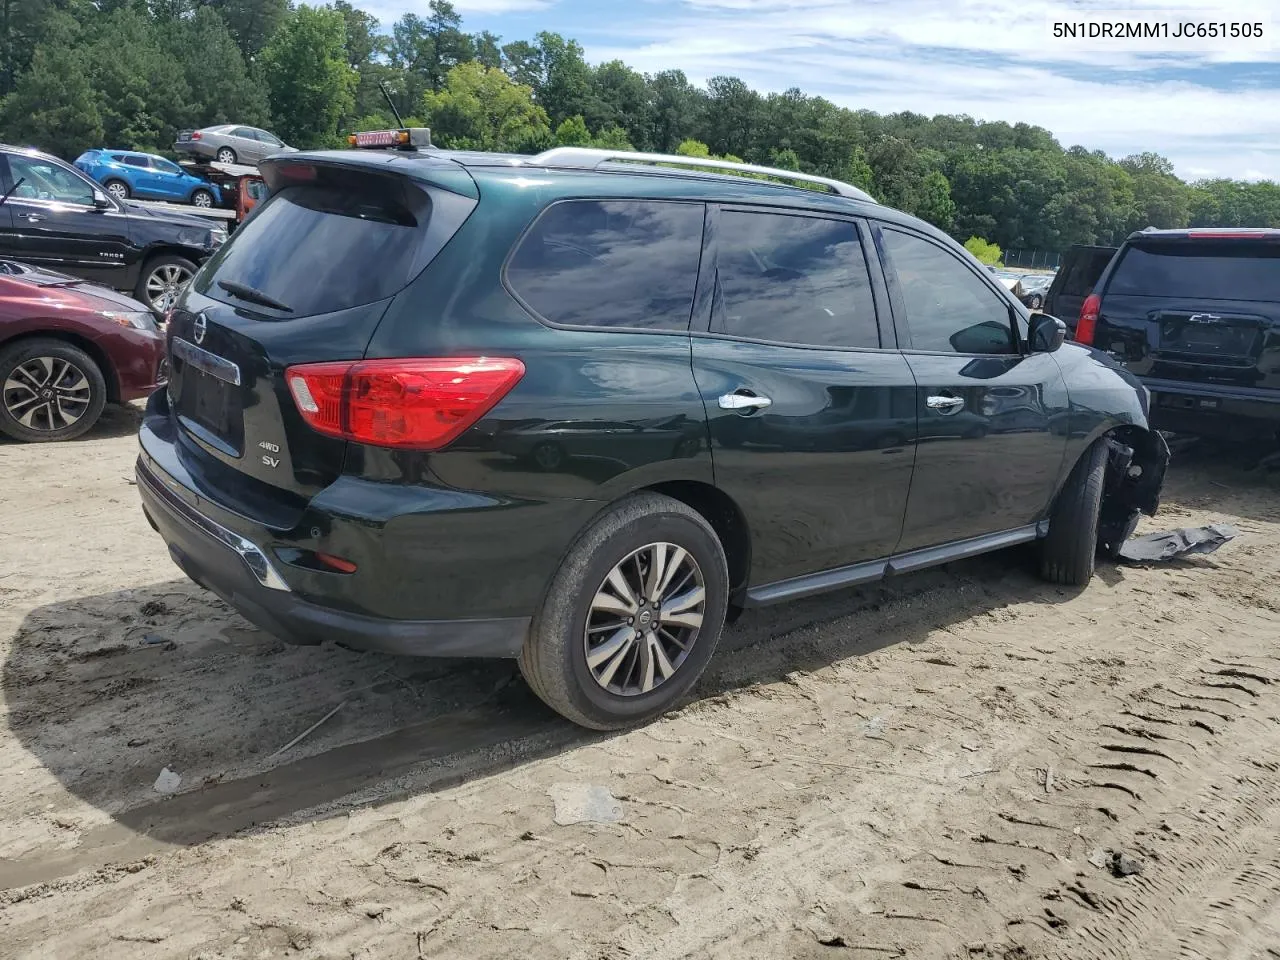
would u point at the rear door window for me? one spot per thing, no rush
(1235, 270)
(339, 242)
(793, 279)
(611, 263)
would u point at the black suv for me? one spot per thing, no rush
(576, 408)
(1196, 315)
(55, 216)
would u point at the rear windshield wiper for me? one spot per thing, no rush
(253, 295)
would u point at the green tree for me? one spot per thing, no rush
(988, 253)
(678, 107)
(621, 99)
(361, 40)
(311, 86)
(252, 22)
(53, 106)
(933, 200)
(141, 91)
(222, 91)
(481, 108)
(487, 48)
(612, 138)
(573, 133)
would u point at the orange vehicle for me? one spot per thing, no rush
(242, 186)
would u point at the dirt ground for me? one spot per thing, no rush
(952, 764)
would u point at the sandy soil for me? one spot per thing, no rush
(941, 766)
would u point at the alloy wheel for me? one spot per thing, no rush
(118, 190)
(644, 619)
(226, 156)
(47, 394)
(165, 285)
(202, 199)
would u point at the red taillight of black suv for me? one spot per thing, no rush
(418, 404)
(1087, 325)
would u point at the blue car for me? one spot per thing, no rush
(125, 174)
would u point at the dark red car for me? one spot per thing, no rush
(67, 349)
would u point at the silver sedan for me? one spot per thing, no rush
(229, 143)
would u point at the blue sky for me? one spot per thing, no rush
(1214, 112)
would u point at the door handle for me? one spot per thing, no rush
(945, 404)
(32, 217)
(744, 402)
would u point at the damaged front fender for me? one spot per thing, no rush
(1137, 462)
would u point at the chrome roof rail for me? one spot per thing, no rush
(590, 158)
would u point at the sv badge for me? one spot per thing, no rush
(267, 459)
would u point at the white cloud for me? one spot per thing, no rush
(934, 56)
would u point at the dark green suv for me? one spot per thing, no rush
(578, 407)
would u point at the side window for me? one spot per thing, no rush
(270, 138)
(793, 279)
(135, 162)
(611, 263)
(244, 132)
(949, 309)
(42, 180)
(164, 166)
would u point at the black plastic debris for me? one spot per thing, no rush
(1123, 866)
(1172, 544)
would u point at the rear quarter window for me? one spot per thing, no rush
(1196, 271)
(610, 263)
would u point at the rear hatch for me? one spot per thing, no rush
(306, 279)
(1080, 269)
(1188, 307)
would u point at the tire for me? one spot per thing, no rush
(225, 155)
(77, 391)
(1036, 302)
(118, 189)
(554, 660)
(202, 198)
(162, 281)
(1069, 551)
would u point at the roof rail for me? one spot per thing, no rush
(590, 158)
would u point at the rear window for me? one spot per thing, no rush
(1083, 272)
(318, 248)
(1200, 271)
(611, 263)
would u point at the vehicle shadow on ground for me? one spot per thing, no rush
(105, 691)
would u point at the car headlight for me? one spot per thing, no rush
(140, 320)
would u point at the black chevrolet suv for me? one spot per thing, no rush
(55, 216)
(578, 407)
(1196, 315)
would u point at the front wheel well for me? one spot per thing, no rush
(1136, 463)
(84, 343)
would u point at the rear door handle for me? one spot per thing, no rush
(32, 217)
(945, 404)
(743, 402)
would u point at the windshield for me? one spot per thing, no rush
(318, 248)
(1200, 271)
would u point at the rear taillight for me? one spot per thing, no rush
(418, 404)
(1088, 322)
(197, 135)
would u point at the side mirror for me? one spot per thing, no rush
(101, 201)
(1046, 333)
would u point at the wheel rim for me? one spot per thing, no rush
(47, 394)
(119, 191)
(202, 199)
(644, 619)
(165, 285)
(226, 156)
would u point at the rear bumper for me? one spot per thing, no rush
(247, 578)
(1196, 407)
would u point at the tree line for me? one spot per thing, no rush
(129, 74)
